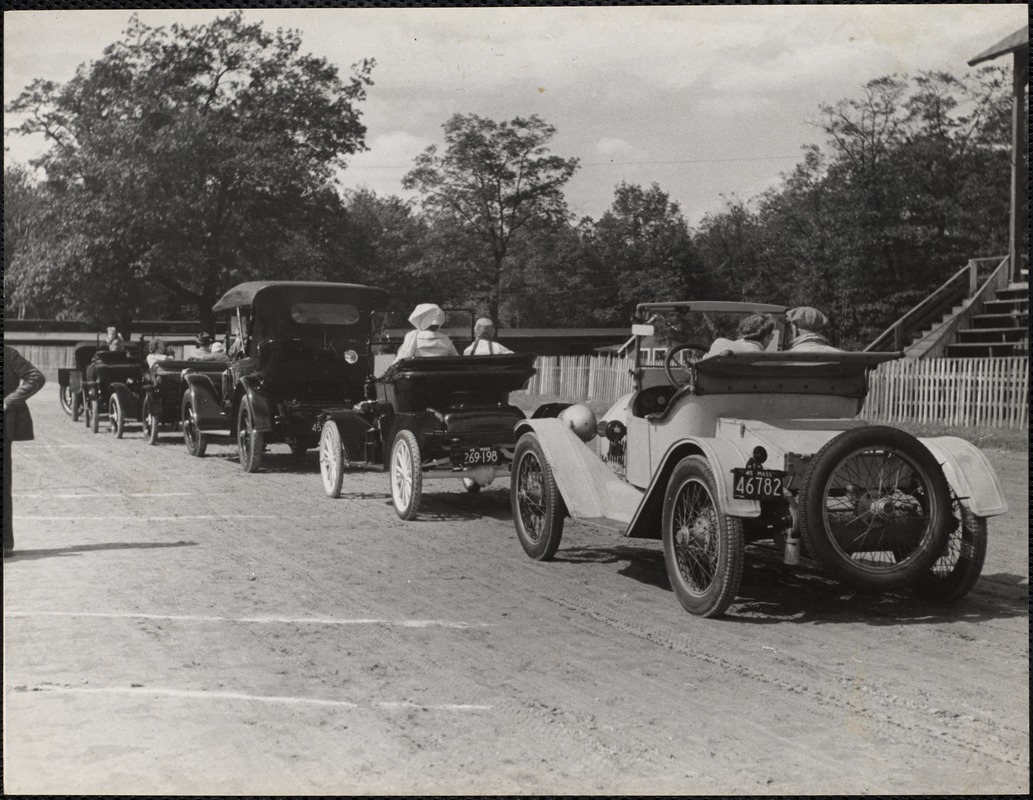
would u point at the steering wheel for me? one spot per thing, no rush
(686, 355)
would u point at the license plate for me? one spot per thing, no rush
(476, 456)
(751, 483)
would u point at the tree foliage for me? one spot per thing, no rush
(491, 181)
(187, 158)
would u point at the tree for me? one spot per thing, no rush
(188, 158)
(644, 241)
(492, 180)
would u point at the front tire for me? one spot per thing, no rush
(196, 441)
(406, 475)
(250, 442)
(956, 571)
(151, 424)
(78, 405)
(875, 508)
(93, 415)
(116, 417)
(331, 460)
(538, 508)
(703, 547)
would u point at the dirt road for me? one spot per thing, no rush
(173, 625)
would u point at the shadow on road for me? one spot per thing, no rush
(74, 550)
(454, 507)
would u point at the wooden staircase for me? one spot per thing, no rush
(1000, 329)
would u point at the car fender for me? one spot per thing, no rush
(721, 454)
(126, 399)
(969, 474)
(208, 413)
(353, 428)
(589, 488)
(263, 413)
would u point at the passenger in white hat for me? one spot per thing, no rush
(426, 340)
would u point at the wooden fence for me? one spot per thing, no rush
(991, 392)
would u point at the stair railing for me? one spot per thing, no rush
(957, 287)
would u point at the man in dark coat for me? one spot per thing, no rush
(21, 381)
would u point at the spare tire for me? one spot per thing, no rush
(875, 508)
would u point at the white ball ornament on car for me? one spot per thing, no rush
(581, 420)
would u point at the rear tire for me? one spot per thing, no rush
(875, 508)
(116, 417)
(331, 460)
(703, 547)
(151, 424)
(196, 441)
(406, 475)
(538, 508)
(67, 399)
(250, 443)
(957, 569)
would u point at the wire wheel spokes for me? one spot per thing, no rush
(401, 473)
(877, 507)
(696, 536)
(531, 496)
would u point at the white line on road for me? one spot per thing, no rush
(173, 518)
(205, 695)
(402, 623)
(90, 495)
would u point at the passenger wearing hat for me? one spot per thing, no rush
(808, 326)
(753, 336)
(484, 343)
(114, 340)
(426, 340)
(203, 350)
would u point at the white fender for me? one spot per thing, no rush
(969, 474)
(589, 488)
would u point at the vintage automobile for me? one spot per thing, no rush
(156, 402)
(440, 417)
(86, 387)
(711, 454)
(294, 350)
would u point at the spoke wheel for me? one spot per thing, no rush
(875, 508)
(196, 441)
(250, 442)
(67, 399)
(406, 475)
(538, 508)
(703, 547)
(331, 459)
(956, 571)
(116, 417)
(151, 424)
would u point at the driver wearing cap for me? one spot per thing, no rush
(808, 331)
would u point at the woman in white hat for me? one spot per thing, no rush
(484, 343)
(426, 340)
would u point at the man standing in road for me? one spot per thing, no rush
(21, 381)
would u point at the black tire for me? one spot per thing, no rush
(538, 508)
(67, 399)
(406, 471)
(703, 547)
(78, 404)
(195, 441)
(250, 443)
(956, 571)
(875, 508)
(331, 460)
(471, 485)
(151, 423)
(116, 417)
(93, 415)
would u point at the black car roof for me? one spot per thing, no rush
(243, 294)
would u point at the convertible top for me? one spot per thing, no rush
(244, 294)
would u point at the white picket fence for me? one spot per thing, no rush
(991, 392)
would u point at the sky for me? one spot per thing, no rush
(709, 102)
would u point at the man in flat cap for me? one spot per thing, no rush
(808, 329)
